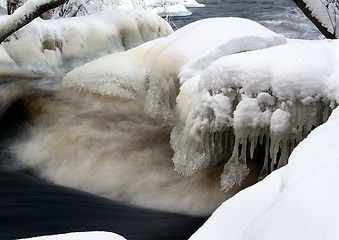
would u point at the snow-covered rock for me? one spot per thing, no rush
(80, 236)
(298, 201)
(46, 45)
(152, 72)
(278, 94)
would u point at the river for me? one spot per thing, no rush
(49, 125)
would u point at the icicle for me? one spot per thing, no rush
(275, 124)
(265, 170)
(235, 171)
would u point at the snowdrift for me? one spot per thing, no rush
(298, 201)
(61, 44)
(233, 89)
(80, 236)
(151, 72)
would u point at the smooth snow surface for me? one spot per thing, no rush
(238, 87)
(80, 236)
(151, 71)
(192, 3)
(278, 94)
(52, 45)
(298, 201)
(166, 7)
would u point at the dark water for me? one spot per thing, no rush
(31, 207)
(281, 16)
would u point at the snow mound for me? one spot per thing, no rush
(80, 236)
(50, 45)
(192, 3)
(150, 72)
(271, 97)
(298, 201)
(166, 7)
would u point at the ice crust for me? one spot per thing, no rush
(298, 201)
(237, 92)
(154, 67)
(80, 236)
(270, 101)
(326, 12)
(61, 44)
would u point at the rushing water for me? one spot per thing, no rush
(109, 148)
(281, 16)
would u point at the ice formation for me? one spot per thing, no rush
(65, 43)
(251, 99)
(298, 201)
(327, 12)
(80, 236)
(74, 8)
(150, 72)
(230, 100)
(192, 3)
(166, 7)
(160, 7)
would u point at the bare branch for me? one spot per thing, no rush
(25, 14)
(302, 5)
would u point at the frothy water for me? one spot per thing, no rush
(281, 16)
(111, 148)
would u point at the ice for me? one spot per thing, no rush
(238, 93)
(80, 236)
(161, 7)
(51, 45)
(326, 12)
(192, 3)
(157, 65)
(298, 201)
(166, 7)
(272, 97)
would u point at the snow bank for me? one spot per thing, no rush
(80, 236)
(45, 46)
(192, 3)
(275, 95)
(298, 201)
(239, 88)
(151, 71)
(166, 7)
(160, 7)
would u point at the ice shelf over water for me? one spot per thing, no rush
(298, 201)
(234, 89)
(272, 97)
(80, 236)
(52, 45)
(151, 71)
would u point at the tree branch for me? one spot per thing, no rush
(302, 5)
(25, 14)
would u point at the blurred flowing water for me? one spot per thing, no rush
(281, 16)
(30, 205)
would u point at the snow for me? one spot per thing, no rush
(160, 7)
(326, 12)
(192, 3)
(156, 65)
(297, 84)
(52, 45)
(225, 88)
(225, 92)
(80, 236)
(298, 201)
(166, 7)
